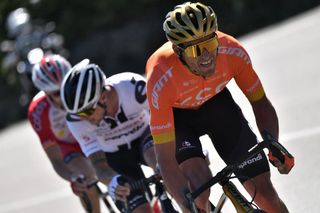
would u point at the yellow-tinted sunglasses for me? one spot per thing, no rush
(91, 110)
(87, 112)
(196, 50)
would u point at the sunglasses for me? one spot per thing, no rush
(196, 50)
(91, 110)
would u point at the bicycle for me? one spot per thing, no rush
(103, 195)
(241, 204)
(160, 193)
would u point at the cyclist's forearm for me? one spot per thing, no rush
(105, 175)
(174, 180)
(266, 117)
(103, 170)
(62, 170)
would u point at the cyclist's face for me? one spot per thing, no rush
(200, 55)
(55, 97)
(95, 114)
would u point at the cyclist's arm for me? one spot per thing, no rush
(250, 84)
(103, 170)
(266, 116)
(107, 176)
(55, 156)
(174, 180)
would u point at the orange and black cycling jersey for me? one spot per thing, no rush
(171, 85)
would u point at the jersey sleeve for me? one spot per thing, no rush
(140, 93)
(159, 93)
(81, 130)
(246, 77)
(39, 120)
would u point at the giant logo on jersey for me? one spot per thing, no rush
(237, 51)
(159, 86)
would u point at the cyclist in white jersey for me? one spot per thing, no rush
(48, 120)
(110, 119)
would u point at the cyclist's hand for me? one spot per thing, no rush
(78, 185)
(118, 188)
(201, 208)
(283, 167)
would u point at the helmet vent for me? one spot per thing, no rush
(203, 12)
(72, 86)
(172, 38)
(170, 25)
(193, 17)
(211, 24)
(179, 19)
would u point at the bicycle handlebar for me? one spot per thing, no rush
(277, 152)
(136, 185)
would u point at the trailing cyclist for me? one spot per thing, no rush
(188, 97)
(110, 119)
(48, 120)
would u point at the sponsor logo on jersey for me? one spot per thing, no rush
(186, 144)
(158, 87)
(203, 95)
(251, 161)
(237, 51)
(37, 114)
(160, 127)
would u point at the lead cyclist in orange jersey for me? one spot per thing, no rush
(188, 97)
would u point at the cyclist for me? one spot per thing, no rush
(48, 120)
(110, 119)
(188, 97)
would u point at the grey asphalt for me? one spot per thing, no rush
(285, 56)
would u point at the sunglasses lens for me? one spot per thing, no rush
(86, 113)
(197, 49)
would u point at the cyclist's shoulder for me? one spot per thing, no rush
(227, 40)
(232, 50)
(162, 56)
(124, 77)
(39, 103)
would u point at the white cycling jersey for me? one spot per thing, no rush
(130, 121)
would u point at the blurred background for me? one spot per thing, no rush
(119, 35)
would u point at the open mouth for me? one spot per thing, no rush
(206, 63)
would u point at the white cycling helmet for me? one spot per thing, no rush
(82, 87)
(47, 75)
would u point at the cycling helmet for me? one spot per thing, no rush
(189, 21)
(82, 87)
(17, 21)
(47, 75)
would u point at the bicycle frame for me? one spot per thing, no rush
(241, 204)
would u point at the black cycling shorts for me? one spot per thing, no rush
(222, 120)
(127, 162)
